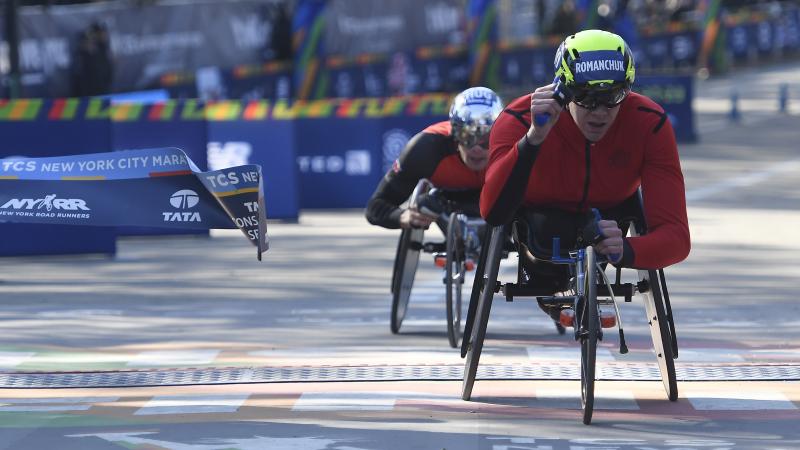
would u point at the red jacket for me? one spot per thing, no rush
(638, 150)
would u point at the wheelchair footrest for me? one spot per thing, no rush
(511, 290)
(552, 300)
(620, 290)
(434, 247)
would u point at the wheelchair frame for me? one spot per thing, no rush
(651, 285)
(454, 274)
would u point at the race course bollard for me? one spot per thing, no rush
(783, 98)
(734, 115)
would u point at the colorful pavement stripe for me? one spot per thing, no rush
(491, 399)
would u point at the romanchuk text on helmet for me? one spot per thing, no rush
(602, 64)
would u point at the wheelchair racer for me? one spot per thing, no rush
(451, 154)
(595, 151)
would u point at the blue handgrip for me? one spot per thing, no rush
(561, 94)
(542, 119)
(597, 218)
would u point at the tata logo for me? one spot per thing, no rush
(49, 203)
(183, 199)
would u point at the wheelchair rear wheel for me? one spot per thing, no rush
(405, 268)
(455, 272)
(478, 330)
(589, 326)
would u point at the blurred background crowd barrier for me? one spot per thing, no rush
(324, 94)
(310, 49)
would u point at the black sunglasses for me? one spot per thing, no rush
(593, 98)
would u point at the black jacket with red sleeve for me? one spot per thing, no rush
(431, 154)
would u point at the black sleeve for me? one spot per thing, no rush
(513, 191)
(418, 160)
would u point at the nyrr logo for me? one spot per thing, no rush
(49, 202)
(222, 155)
(183, 199)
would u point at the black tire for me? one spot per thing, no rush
(660, 332)
(484, 306)
(477, 285)
(590, 324)
(405, 268)
(455, 272)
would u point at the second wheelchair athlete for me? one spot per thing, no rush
(451, 154)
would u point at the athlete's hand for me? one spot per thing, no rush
(542, 102)
(611, 246)
(414, 219)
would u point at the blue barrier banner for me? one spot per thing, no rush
(739, 37)
(526, 66)
(674, 94)
(428, 69)
(149, 187)
(170, 123)
(395, 134)
(267, 142)
(39, 128)
(338, 161)
(344, 146)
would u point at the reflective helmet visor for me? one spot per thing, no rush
(470, 136)
(472, 114)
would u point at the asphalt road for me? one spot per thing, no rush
(183, 342)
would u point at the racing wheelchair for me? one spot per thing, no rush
(574, 287)
(455, 255)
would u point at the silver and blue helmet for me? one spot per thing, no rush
(472, 114)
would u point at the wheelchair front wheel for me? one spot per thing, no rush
(405, 268)
(660, 332)
(661, 329)
(477, 285)
(478, 330)
(455, 271)
(589, 326)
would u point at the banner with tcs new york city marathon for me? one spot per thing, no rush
(158, 187)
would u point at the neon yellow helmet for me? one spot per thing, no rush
(595, 62)
(594, 58)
